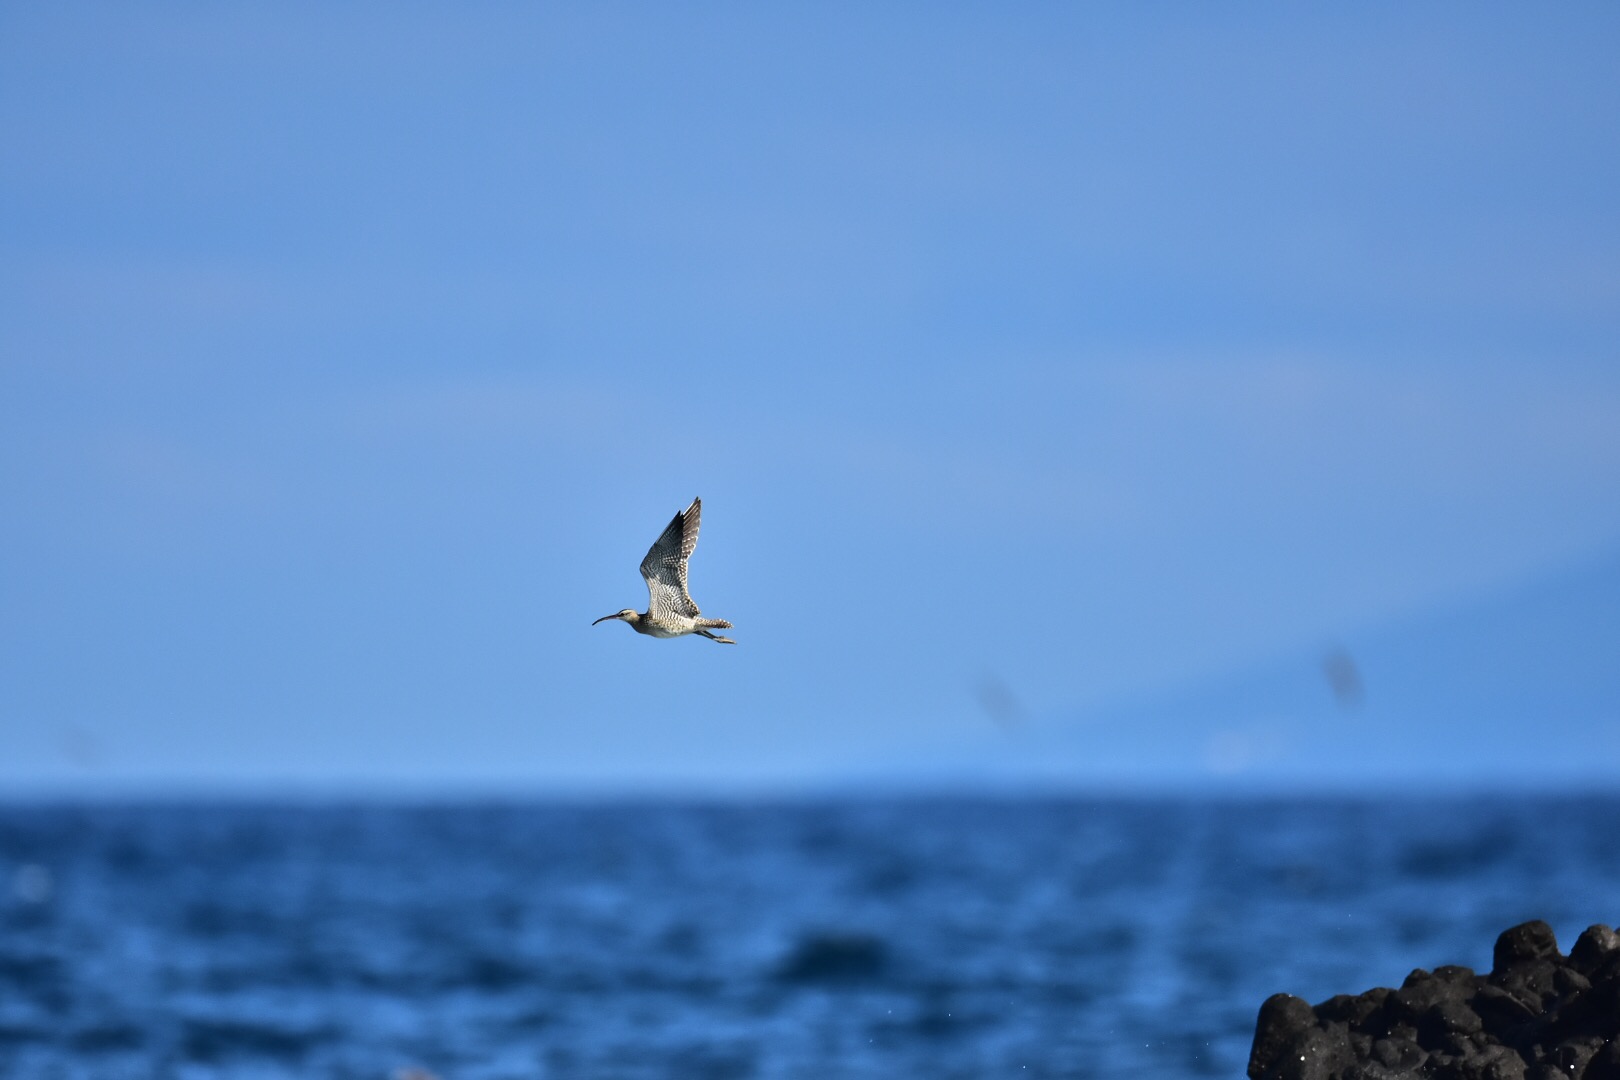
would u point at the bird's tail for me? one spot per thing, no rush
(714, 624)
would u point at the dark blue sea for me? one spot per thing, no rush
(850, 938)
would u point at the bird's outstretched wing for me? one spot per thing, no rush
(665, 564)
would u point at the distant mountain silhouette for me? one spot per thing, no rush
(1520, 686)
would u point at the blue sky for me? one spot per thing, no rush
(351, 356)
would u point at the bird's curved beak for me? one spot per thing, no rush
(605, 618)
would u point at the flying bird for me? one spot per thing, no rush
(670, 610)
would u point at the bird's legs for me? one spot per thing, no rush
(715, 637)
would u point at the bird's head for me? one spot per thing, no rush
(629, 615)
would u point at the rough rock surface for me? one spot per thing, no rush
(1538, 1015)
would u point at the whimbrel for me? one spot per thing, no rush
(670, 610)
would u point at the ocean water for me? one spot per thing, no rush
(851, 938)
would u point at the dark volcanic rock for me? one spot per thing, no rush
(1538, 1015)
(1398, 1052)
(1283, 1019)
(1291, 1044)
(1527, 941)
(1593, 946)
(1605, 1065)
(1500, 1009)
(1352, 1010)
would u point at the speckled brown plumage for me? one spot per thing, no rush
(671, 611)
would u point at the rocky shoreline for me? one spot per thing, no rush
(1538, 1015)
